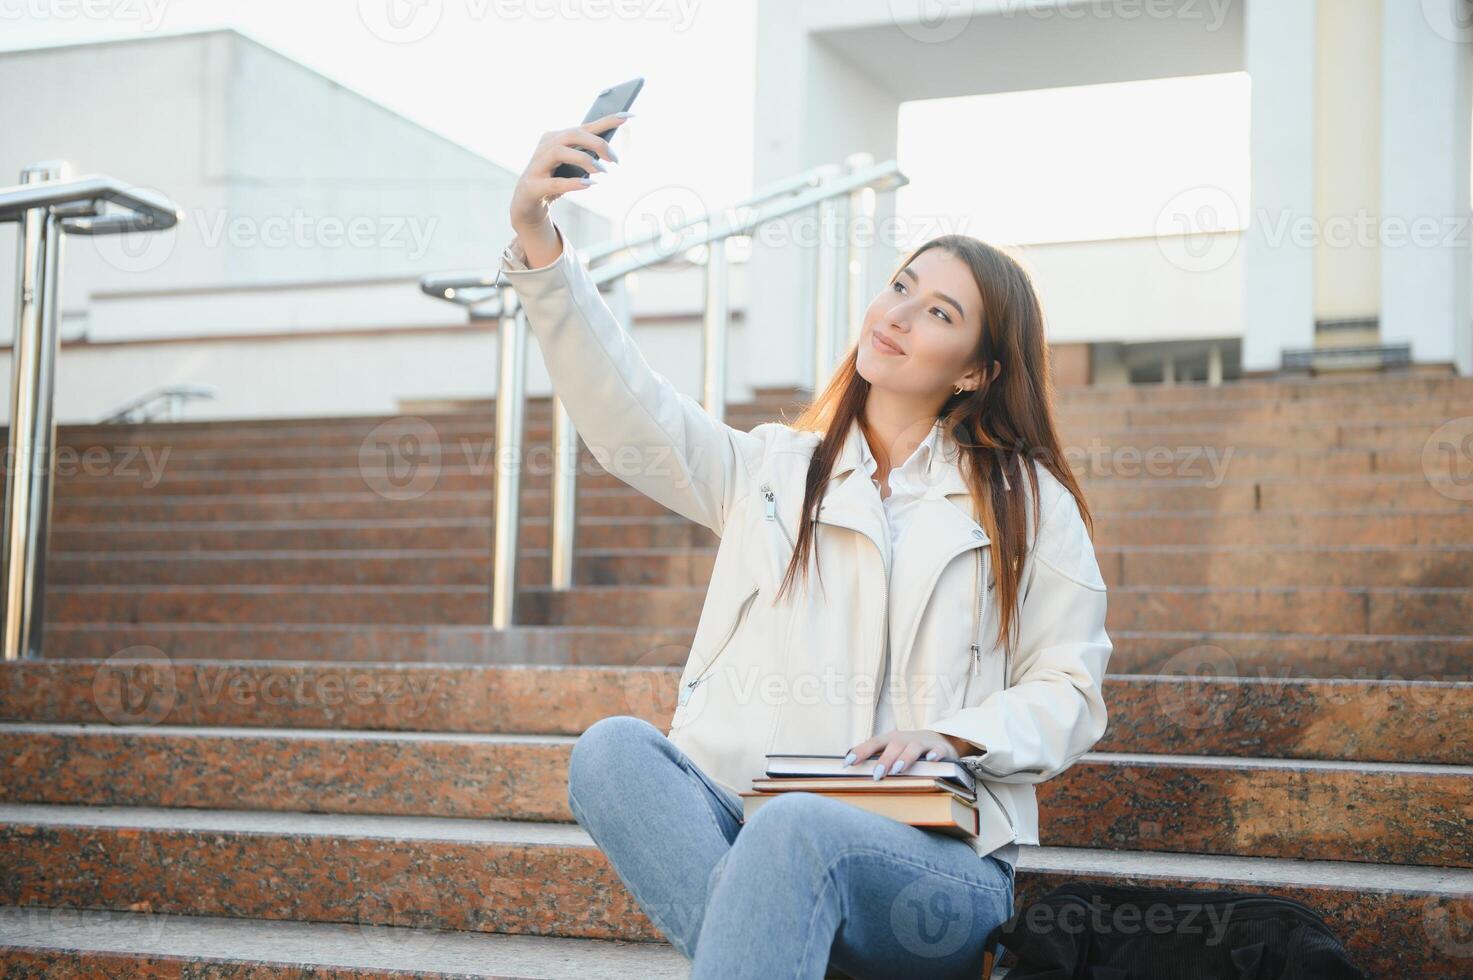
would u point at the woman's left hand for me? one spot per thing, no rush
(901, 748)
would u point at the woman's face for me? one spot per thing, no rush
(932, 312)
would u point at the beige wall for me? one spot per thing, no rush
(1347, 259)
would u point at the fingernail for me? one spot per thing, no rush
(899, 765)
(586, 180)
(849, 759)
(600, 165)
(932, 756)
(626, 114)
(613, 156)
(879, 769)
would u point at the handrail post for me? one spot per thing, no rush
(564, 494)
(510, 425)
(857, 254)
(715, 324)
(32, 444)
(830, 287)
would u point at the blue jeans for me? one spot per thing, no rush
(808, 885)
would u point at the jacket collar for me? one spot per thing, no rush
(943, 470)
(942, 519)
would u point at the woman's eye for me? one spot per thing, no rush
(936, 309)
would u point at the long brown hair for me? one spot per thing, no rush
(1004, 421)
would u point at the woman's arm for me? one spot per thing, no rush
(657, 440)
(1055, 710)
(654, 438)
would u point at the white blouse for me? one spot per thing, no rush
(908, 484)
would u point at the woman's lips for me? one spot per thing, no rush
(881, 346)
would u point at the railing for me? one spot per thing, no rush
(839, 195)
(1366, 356)
(162, 403)
(47, 205)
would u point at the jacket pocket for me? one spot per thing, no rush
(983, 600)
(688, 688)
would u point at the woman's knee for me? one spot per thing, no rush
(606, 749)
(797, 820)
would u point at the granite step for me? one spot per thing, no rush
(72, 942)
(396, 532)
(1220, 565)
(1293, 654)
(1388, 813)
(1207, 714)
(115, 464)
(456, 433)
(1270, 655)
(549, 879)
(1410, 525)
(1257, 391)
(472, 441)
(1322, 610)
(1388, 498)
(1113, 529)
(432, 643)
(453, 489)
(1114, 447)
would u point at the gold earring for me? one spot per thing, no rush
(958, 390)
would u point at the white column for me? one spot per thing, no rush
(1425, 254)
(1279, 37)
(812, 107)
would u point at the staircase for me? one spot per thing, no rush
(271, 736)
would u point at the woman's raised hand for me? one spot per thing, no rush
(536, 188)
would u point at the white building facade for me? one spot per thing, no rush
(310, 213)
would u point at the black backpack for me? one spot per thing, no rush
(1083, 931)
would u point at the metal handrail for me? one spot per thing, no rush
(169, 396)
(78, 202)
(47, 205)
(837, 193)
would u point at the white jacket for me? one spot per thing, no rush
(801, 676)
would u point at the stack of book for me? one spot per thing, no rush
(940, 795)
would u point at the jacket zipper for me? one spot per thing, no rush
(884, 599)
(977, 629)
(772, 515)
(1004, 809)
(690, 686)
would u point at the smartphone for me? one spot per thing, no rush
(609, 101)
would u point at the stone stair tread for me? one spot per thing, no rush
(242, 731)
(274, 554)
(1247, 873)
(1228, 871)
(1184, 761)
(298, 824)
(266, 627)
(1175, 760)
(211, 940)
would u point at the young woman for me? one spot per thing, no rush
(905, 571)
